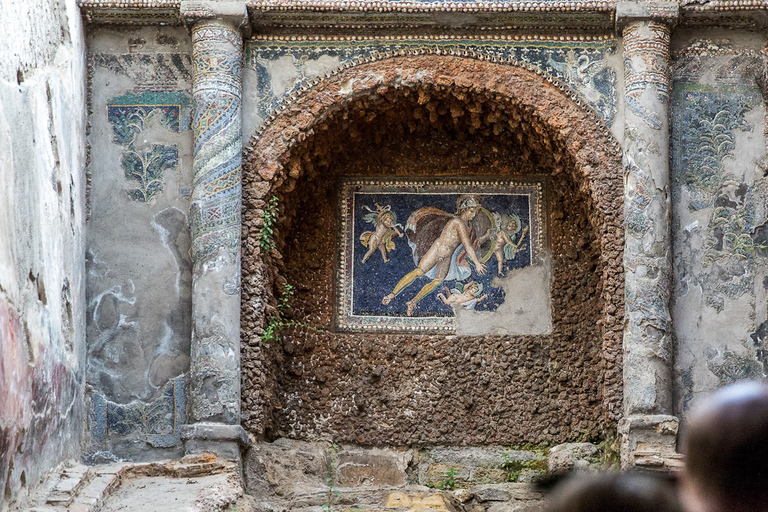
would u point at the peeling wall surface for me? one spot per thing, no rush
(720, 212)
(42, 236)
(138, 261)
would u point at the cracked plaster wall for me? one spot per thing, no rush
(42, 289)
(720, 212)
(138, 261)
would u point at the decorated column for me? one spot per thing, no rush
(217, 53)
(648, 429)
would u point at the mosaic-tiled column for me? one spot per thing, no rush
(648, 344)
(217, 54)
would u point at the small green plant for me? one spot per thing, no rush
(332, 479)
(279, 321)
(267, 231)
(510, 467)
(448, 484)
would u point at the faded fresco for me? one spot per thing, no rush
(719, 190)
(412, 252)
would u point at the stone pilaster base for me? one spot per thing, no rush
(649, 442)
(226, 440)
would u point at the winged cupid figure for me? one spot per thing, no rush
(386, 226)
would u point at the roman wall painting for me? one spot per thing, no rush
(415, 253)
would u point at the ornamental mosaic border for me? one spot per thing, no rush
(693, 13)
(345, 320)
(157, 423)
(513, 51)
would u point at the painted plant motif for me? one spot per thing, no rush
(146, 166)
(712, 134)
(706, 125)
(460, 237)
(130, 115)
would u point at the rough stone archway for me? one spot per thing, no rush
(295, 147)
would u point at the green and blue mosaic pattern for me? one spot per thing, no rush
(581, 66)
(158, 423)
(129, 115)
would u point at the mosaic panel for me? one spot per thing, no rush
(705, 122)
(581, 66)
(411, 251)
(158, 423)
(129, 116)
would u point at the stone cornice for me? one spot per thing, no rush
(512, 16)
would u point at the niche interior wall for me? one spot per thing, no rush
(429, 117)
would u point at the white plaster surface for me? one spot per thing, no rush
(525, 310)
(42, 217)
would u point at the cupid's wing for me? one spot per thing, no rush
(424, 227)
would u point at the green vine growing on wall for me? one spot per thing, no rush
(267, 231)
(279, 320)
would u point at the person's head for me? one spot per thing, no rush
(472, 287)
(613, 492)
(388, 219)
(511, 225)
(467, 207)
(725, 442)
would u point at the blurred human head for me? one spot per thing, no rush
(613, 492)
(725, 442)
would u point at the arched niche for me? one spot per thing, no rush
(432, 116)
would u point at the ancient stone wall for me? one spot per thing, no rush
(138, 255)
(720, 211)
(42, 220)
(407, 389)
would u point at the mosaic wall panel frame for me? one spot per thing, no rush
(403, 265)
(583, 67)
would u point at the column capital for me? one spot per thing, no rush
(634, 11)
(233, 13)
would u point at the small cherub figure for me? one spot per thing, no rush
(386, 224)
(464, 294)
(505, 249)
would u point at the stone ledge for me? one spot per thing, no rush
(215, 432)
(630, 12)
(232, 12)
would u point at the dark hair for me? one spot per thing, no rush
(726, 447)
(614, 492)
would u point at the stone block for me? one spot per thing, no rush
(649, 442)
(286, 469)
(421, 501)
(474, 466)
(517, 507)
(569, 457)
(506, 492)
(372, 467)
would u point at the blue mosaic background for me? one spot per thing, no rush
(580, 66)
(375, 279)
